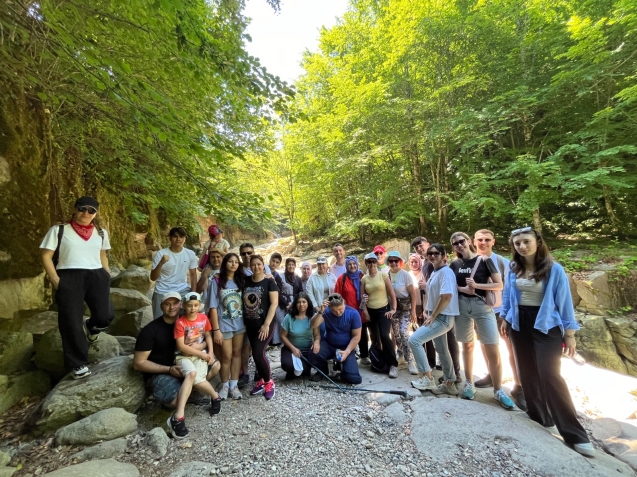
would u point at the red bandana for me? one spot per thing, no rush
(84, 231)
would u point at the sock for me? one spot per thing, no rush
(233, 383)
(225, 385)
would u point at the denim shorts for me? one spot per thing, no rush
(165, 388)
(228, 335)
(475, 311)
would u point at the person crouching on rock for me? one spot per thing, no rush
(342, 334)
(80, 275)
(299, 337)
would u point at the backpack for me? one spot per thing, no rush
(493, 298)
(56, 254)
(377, 359)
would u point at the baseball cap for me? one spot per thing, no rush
(298, 365)
(168, 295)
(371, 256)
(214, 230)
(380, 248)
(87, 201)
(321, 259)
(191, 296)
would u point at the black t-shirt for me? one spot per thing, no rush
(256, 301)
(158, 338)
(463, 271)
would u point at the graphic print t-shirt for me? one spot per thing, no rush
(193, 332)
(463, 269)
(229, 306)
(256, 301)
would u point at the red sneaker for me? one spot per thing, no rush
(269, 389)
(258, 388)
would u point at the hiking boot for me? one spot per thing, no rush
(469, 391)
(223, 393)
(424, 383)
(243, 381)
(366, 361)
(518, 396)
(215, 407)
(505, 401)
(316, 377)
(89, 337)
(81, 372)
(485, 382)
(258, 388)
(236, 394)
(585, 448)
(413, 369)
(451, 389)
(177, 427)
(269, 390)
(393, 372)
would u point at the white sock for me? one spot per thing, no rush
(225, 385)
(233, 383)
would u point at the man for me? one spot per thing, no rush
(292, 279)
(342, 334)
(380, 253)
(420, 246)
(246, 250)
(484, 240)
(155, 355)
(321, 283)
(338, 267)
(306, 272)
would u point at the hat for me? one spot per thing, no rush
(168, 295)
(395, 254)
(371, 256)
(298, 365)
(214, 230)
(191, 296)
(87, 201)
(290, 259)
(321, 259)
(380, 248)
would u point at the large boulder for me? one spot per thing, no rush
(101, 468)
(126, 344)
(16, 349)
(573, 287)
(133, 278)
(402, 246)
(22, 294)
(39, 324)
(131, 323)
(50, 358)
(105, 450)
(125, 301)
(113, 383)
(595, 343)
(624, 333)
(14, 388)
(102, 426)
(594, 292)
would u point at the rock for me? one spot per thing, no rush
(113, 383)
(101, 468)
(382, 398)
(396, 413)
(595, 293)
(39, 324)
(158, 441)
(130, 324)
(126, 344)
(402, 246)
(146, 264)
(133, 278)
(14, 388)
(22, 294)
(595, 343)
(194, 469)
(102, 426)
(624, 333)
(7, 471)
(125, 301)
(50, 358)
(573, 287)
(114, 271)
(289, 249)
(4, 458)
(16, 349)
(105, 450)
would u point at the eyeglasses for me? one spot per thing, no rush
(246, 254)
(522, 230)
(86, 208)
(433, 254)
(459, 242)
(393, 261)
(486, 240)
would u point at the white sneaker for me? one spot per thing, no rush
(235, 394)
(393, 372)
(424, 383)
(444, 389)
(223, 393)
(366, 361)
(413, 369)
(81, 372)
(585, 448)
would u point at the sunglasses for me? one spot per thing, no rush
(393, 261)
(371, 262)
(379, 253)
(433, 254)
(486, 240)
(333, 298)
(459, 242)
(246, 254)
(86, 208)
(522, 230)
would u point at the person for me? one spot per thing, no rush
(379, 308)
(406, 300)
(260, 300)
(285, 297)
(194, 355)
(540, 322)
(342, 333)
(216, 241)
(299, 337)
(338, 267)
(380, 253)
(415, 269)
(292, 279)
(172, 266)
(348, 285)
(320, 284)
(484, 241)
(474, 276)
(225, 311)
(441, 309)
(210, 271)
(80, 276)
(306, 272)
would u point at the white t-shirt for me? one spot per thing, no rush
(442, 282)
(75, 252)
(337, 270)
(400, 281)
(174, 273)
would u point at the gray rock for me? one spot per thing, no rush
(14, 388)
(101, 426)
(193, 469)
(7, 471)
(157, 440)
(16, 349)
(133, 278)
(130, 324)
(113, 383)
(101, 468)
(624, 332)
(595, 343)
(105, 450)
(4, 458)
(382, 398)
(125, 301)
(126, 344)
(50, 358)
(397, 413)
(39, 324)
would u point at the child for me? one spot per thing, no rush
(217, 241)
(194, 347)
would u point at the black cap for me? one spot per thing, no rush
(87, 201)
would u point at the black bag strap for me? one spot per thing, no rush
(56, 254)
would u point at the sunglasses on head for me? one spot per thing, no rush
(333, 298)
(522, 230)
(246, 254)
(433, 254)
(459, 242)
(393, 261)
(86, 208)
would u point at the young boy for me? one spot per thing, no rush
(194, 348)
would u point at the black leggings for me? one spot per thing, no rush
(363, 344)
(288, 366)
(380, 329)
(258, 350)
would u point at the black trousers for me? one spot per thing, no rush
(259, 348)
(380, 330)
(538, 357)
(363, 344)
(288, 366)
(76, 287)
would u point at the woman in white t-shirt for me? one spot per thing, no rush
(74, 258)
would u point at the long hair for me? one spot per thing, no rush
(294, 309)
(239, 276)
(543, 261)
(467, 238)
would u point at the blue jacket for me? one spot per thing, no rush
(557, 305)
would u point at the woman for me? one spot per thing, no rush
(285, 297)
(377, 310)
(420, 284)
(475, 275)
(539, 314)
(292, 279)
(306, 272)
(406, 314)
(80, 275)
(298, 337)
(260, 299)
(226, 317)
(440, 311)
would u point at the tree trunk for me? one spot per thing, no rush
(537, 222)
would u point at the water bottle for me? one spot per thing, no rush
(339, 355)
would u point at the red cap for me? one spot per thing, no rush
(214, 230)
(380, 248)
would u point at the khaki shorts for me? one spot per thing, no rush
(191, 363)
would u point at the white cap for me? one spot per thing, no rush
(168, 295)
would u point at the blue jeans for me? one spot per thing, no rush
(436, 331)
(349, 367)
(165, 388)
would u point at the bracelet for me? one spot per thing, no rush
(216, 329)
(569, 336)
(169, 369)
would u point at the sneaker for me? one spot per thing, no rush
(223, 393)
(393, 372)
(258, 388)
(469, 391)
(505, 401)
(244, 379)
(518, 396)
(485, 382)
(585, 448)
(336, 366)
(424, 383)
(269, 390)
(458, 380)
(215, 407)
(413, 369)
(444, 389)
(177, 427)
(236, 394)
(366, 361)
(89, 337)
(81, 372)
(316, 377)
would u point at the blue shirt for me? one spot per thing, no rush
(502, 264)
(338, 329)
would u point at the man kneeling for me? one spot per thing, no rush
(342, 334)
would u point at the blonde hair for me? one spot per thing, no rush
(467, 238)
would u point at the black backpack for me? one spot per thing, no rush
(377, 359)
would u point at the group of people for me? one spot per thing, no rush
(338, 313)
